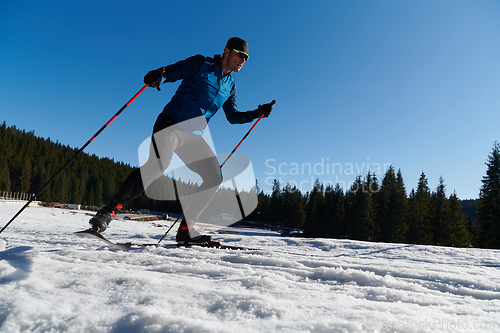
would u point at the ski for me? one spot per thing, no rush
(217, 245)
(212, 244)
(91, 233)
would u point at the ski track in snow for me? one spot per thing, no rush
(52, 280)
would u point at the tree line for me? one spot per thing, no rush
(372, 211)
(383, 211)
(28, 162)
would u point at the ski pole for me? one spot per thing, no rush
(234, 184)
(238, 199)
(177, 199)
(33, 198)
(250, 130)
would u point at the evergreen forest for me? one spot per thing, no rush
(371, 210)
(28, 162)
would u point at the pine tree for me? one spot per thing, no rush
(335, 212)
(293, 207)
(312, 221)
(62, 188)
(322, 220)
(361, 213)
(26, 175)
(392, 208)
(276, 204)
(401, 210)
(98, 191)
(75, 192)
(261, 213)
(488, 209)
(457, 231)
(420, 229)
(4, 178)
(440, 213)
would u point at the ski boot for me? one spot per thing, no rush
(105, 215)
(189, 235)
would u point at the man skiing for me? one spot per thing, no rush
(207, 85)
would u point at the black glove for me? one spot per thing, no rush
(264, 109)
(153, 78)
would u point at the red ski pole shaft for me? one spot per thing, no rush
(33, 198)
(248, 133)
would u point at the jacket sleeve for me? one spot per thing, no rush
(232, 114)
(183, 69)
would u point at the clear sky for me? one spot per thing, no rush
(358, 84)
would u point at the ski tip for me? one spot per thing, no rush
(91, 233)
(86, 231)
(123, 246)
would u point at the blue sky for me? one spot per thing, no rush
(357, 83)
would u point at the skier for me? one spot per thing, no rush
(207, 85)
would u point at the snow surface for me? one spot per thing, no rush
(51, 280)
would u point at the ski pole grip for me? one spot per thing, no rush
(158, 86)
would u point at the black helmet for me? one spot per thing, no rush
(238, 44)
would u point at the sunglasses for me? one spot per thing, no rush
(241, 54)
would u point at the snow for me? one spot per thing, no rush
(51, 280)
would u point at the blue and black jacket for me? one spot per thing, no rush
(203, 91)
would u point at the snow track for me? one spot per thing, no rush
(51, 280)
